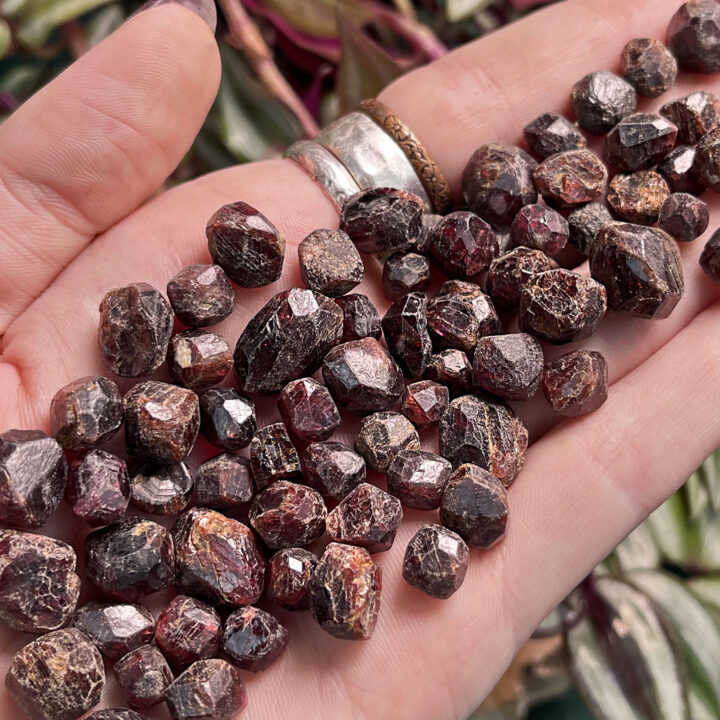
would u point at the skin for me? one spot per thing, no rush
(80, 164)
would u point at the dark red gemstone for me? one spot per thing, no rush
(253, 638)
(115, 714)
(161, 489)
(405, 273)
(648, 66)
(382, 436)
(198, 359)
(693, 36)
(308, 410)
(333, 469)
(273, 456)
(695, 115)
(584, 223)
(681, 172)
(639, 141)
(144, 676)
(360, 318)
(201, 295)
(227, 419)
(406, 334)
(707, 159)
(710, 257)
(224, 482)
(451, 368)
(541, 228)
(98, 488)
(329, 262)
(576, 383)
(424, 403)
(463, 244)
(600, 100)
(637, 197)
(550, 133)
(571, 178)
(417, 478)
(288, 578)
(684, 216)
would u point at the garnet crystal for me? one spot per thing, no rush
(417, 478)
(161, 489)
(584, 223)
(637, 197)
(253, 638)
(330, 263)
(600, 100)
(144, 676)
(550, 133)
(201, 295)
(693, 35)
(227, 419)
(333, 469)
(648, 66)
(571, 178)
(199, 359)
(308, 410)
(684, 216)
(463, 244)
(576, 383)
(382, 436)
(360, 318)
(541, 228)
(695, 115)
(288, 578)
(405, 273)
(273, 456)
(406, 334)
(424, 403)
(710, 257)
(224, 482)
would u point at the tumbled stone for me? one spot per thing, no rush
(246, 245)
(288, 578)
(201, 295)
(363, 377)
(59, 676)
(329, 262)
(637, 197)
(640, 267)
(576, 383)
(288, 338)
(600, 100)
(551, 133)
(86, 413)
(693, 36)
(288, 515)
(368, 517)
(680, 171)
(345, 592)
(217, 559)
(360, 318)
(333, 469)
(463, 244)
(380, 220)
(161, 421)
(694, 115)
(308, 410)
(33, 473)
(684, 216)
(436, 560)
(707, 159)
(39, 587)
(207, 690)
(382, 436)
(508, 365)
(115, 714)
(404, 273)
(98, 488)
(639, 141)
(115, 628)
(199, 359)
(253, 638)
(406, 334)
(187, 631)
(273, 456)
(560, 306)
(451, 368)
(485, 432)
(541, 228)
(130, 559)
(424, 402)
(422, 241)
(509, 272)
(418, 477)
(144, 676)
(648, 66)
(227, 419)
(571, 178)
(710, 257)
(584, 223)
(497, 182)
(224, 482)
(161, 489)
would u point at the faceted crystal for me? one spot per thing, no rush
(288, 578)
(424, 403)
(404, 273)
(406, 334)
(417, 478)
(637, 197)
(161, 489)
(576, 383)
(360, 318)
(333, 469)
(98, 488)
(201, 295)
(550, 133)
(584, 223)
(273, 456)
(253, 638)
(648, 66)
(463, 244)
(382, 436)
(198, 359)
(224, 482)
(694, 115)
(144, 676)
(308, 410)
(115, 714)
(710, 257)
(329, 262)
(694, 36)
(684, 216)
(571, 178)
(541, 228)
(451, 368)
(639, 141)
(600, 100)
(681, 172)
(509, 273)
(227, 419)
(707, 159)
(422, 241)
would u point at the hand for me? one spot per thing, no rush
(78, 161)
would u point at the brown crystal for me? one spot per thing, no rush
(224, 482)
(382, 436)
(463, 244)
(584, 223)
(639, 141)
(198, 359)
(684, 216)
(422, 241)
(161, 489)
(694, 115)
(144, 676)
(329, 262)
(541, 228)
(418, 477)
(707, 159)
(680, 171)
(360, 318)
(308, 410)
(288, 578)
(333, 469)
(115, 714)
(406, 334)
(576, 383)
(693, 36)
(227, 419)
(600, 100)
(253, 638)
(648, 66)
(710, 257)
(571, 178)
(404, 273)
(424, 402)
(551, 133)
(201, 295)
(509, 273)
(637, 197)
(451, 368)
(273, 456)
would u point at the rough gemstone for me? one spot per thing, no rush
(571, 178)
(273, 456)
(333, 469)
(217, 558)
(115, 628)
(680, 171)
(288, 515)
(224, 482)
(639, 141)
(286, 339)
(600, 100)
(693, 35)
(463, 244)
(288, 578)
(406, 333)
(404, 273)
(135, 326)
(39, 587)
(161, 421)
(86, 413)
(451, 368)
(115, 714)
(417, 478)
(707, 159)
(360, 318)
(576, 383)
(253, 638)
(584, 223)
(541, 228)
(560, 306)
(201, 295)
(161, 489)
(198, 359)
(207, 690)
(382, 436)
(637, 197)
(485, 432)
(227, 419)
(648, 66)
(308, 410)
(710, 257)
(509, 273)
(551, 133)
(188, 630)
(345, 592)
(436, 560)
(363, 377)
(380, 220)
(33, 473)
(246, 245)
(422, 241)
(475, 506)
(424, 402)
(59, 676)
(640, 267)
(98, 488)
(329, 262)
(497, 182)
(694, 115)
(684, 216)
(144, 676)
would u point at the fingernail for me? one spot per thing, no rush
(204, 9)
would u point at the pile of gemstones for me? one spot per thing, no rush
(294, 521)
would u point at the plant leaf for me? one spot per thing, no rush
(316, 17)
(638, 550)
(698, 499)
(36, 26)
(707, 591)
(456, 10)
(709, 471)
(668, 526)
(104, 22)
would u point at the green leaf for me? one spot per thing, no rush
(104, 22)
(709, 472)
(39, 22)
(668, 526)
(5, 38)
(456, 10)
(696, 494)
(317, 17)
(638, 550)
(707, 591)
